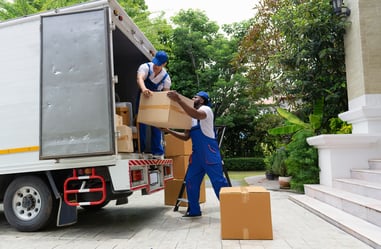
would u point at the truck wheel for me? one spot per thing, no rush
(28, 204)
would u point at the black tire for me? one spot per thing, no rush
(95, 207)
(28, 204)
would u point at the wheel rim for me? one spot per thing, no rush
(26, 203)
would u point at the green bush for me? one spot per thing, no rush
(244, 164)
(302, 162)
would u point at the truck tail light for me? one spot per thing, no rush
(136, 175)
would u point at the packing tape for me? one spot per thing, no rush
(245, 233)
(245, 195)
(161, 107)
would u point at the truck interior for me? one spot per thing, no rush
(127, 59)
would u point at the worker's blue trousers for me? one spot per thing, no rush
(205, 159)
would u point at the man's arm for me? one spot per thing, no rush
(180, 135)
(142, 86)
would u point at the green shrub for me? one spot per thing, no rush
(302, 162)
(244, 164)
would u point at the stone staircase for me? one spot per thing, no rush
(354, 204)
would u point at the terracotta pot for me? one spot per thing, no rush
(284, 181)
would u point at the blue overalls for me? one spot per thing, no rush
(205, 158)
(156, 134)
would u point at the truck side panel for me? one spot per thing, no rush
(19, 92)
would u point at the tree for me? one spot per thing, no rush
(311, 59)
(191, 63)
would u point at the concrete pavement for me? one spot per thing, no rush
(146, 223)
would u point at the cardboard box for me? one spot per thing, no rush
(124, 112)
(172, 190)
(118, 120)
(245, 213)
(160, 111)
(176, 147)
(124, 142)
(180, 166)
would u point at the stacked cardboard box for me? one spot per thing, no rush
(124, 112)
(179, 151)
(124, 141)
(245, 213)
(172, 190)
(118, 120)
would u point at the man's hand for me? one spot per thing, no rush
(147, 93)
(173, 95)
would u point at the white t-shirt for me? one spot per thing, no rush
(207, 123)
(143, 69)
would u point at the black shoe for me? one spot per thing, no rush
(187, 215)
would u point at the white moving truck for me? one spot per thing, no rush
(62, 74)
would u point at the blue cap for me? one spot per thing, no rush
(205, 96)
(161, 57)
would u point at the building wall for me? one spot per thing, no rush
(363, 52)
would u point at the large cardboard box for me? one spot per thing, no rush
(245, 213)
(176, 147)
(172, 190)
(125, 143)
(160, 111)
(180, 166)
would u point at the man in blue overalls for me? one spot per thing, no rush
(152, 77)
(206, 157)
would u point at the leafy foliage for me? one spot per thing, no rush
(302, 161)
(244, 164)
(311, 58)
(298, 159)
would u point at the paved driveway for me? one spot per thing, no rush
(146, 223)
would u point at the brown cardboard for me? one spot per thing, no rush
(160, 111)
(172, 190)
(118, 120)
(177, 147)
(124, 142)
(245, 213)
(124, 112)
(180, 166)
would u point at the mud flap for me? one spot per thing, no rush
(67, 215)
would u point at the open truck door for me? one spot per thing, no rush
(76, 112)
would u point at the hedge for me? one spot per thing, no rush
(244, 164)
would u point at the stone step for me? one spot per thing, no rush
(371, 175)
(363, 230)
(360, 187)
(368, 209)
(375, 164)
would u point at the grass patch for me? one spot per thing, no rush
(239, 176)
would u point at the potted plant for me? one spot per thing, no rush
(268, 160)
(279, 167)
(301, 158)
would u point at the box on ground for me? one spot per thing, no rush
(245, 213)
(180, 166)
(172, 190)
(160, 111)
(176, 147)
(125, 143)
